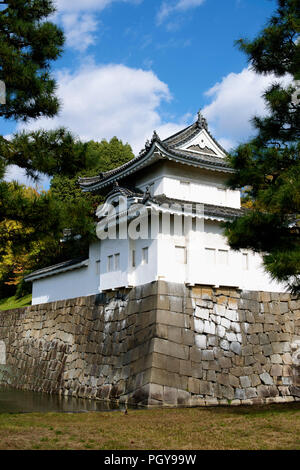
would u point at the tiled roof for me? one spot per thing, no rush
(209, 209)
(158, 149)
(57, 268)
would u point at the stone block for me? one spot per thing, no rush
(231, 336)
(227, 392)
(245, 327)
(249, 360)
(162, 331)
(185, 368)
(239, 394)
(287, 371)
(266, 378)
(162, 302)
(212, 341)
(255, 380)
(267, 349)
(209, 327)
(194, 385)
(183, 397)
(162, 377)
(175, 334)
(197, 371)
(188, 337)
(237, 371)
(231, 315)
(250, 393)
(150, 289)
(253, 339)
(220, 331)
(170, 395)
(211, 376)
(276, 370)
(206, 388)
(276, 359)
(168, 318)
(200, 341)
(233, 303)
(202, 313)
(236, 327)
(195, 354)
(236, 347)
(176, 304)
(169, 348)
(198, 325)
(222, 299)
(233, 381)
(226, 323)
(223, 379)
(265, 296)
(225, 362)
(207, 355)
(219, 309)
(245, 381)
(287, 358)
(247, 350)
(287, 381)
(224, 344)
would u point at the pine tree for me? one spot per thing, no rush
(28, 44)
(268, 167)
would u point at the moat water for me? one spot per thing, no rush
(19, 401)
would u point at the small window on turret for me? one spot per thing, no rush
(98, 266)
(210, 255)
(117, 261)
(223, 257)
(145, 256)
(133, 259)
(245, 261)
(110, 263)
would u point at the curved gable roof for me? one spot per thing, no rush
(167, 149)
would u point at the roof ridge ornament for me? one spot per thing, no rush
(201, 121)
(155, 137)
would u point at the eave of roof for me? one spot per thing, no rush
(157, 150)
(158, 203)
(57, 269)
(209, 209)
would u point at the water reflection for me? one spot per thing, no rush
(20, 401)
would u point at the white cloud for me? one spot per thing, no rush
(111, 100)
(88, 5)
(79, 30)
(167, 8)
(79, 20)
(235, 100)
(15, 173)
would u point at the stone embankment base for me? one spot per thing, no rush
(160, 344)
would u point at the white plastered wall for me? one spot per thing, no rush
(70, 284)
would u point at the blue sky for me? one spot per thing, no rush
(132, 66)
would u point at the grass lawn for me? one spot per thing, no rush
(264, 427)
(12, 302)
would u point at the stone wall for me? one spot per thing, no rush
(158, 344)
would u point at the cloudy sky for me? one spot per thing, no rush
(132, 66)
